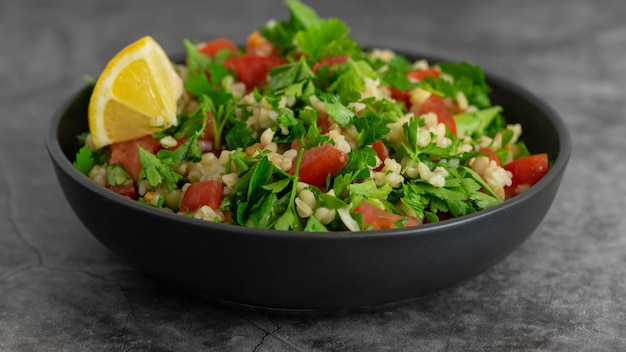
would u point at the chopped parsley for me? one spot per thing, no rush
(84, 160)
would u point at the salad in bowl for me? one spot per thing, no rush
(302, 129)
(301, 171)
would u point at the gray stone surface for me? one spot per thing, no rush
(563, 290)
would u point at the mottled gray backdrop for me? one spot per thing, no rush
(562, 290)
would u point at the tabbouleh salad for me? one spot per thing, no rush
(302, 129)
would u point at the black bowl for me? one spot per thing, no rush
(313, 271)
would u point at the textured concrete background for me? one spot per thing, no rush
(563, 290)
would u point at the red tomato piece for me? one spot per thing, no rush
(211, 48)
(526, 171)
(258, 45)
(208, 193)
(452, 106)
(438, 106)
(126, 190)
(128, 154)
(401, 96)
(207, 140)
(381, 219)
(251, 69)
(319, 162)
(419, 75)
(323, 122)
(382, 152)
(330, 61)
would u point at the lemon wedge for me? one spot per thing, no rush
(135, 95)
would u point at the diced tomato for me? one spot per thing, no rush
(252, 70)
(319, 162)
(330, 61)
(126, 190)
(452, 106)
(381, 219)
(211, 48)
(419, 75)
(438, 106)
(401, 96)
(208, 193)
(526, 171)
(258, 45)
(128, 154)
(490, 153)
(382, 152)
(207, 140)
(323, 122)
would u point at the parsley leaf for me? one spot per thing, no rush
(413, 200)
(331, 202)
(325, 38)
(265, 212)
(117, 175)
(304, 31)
(295, 127)
(371, 128)
(386, 110)
(196, 80)
(481, 182)
(278, 186)
(351, 80)
(281, 34)
(156, 171)
(368, 189)
(220, 107)
(188, 151)
(314, 137)
(314, 225)
(411, 128)
(284, 77)
(290, 220)
(309, 116)
(339, 112)
(239, 136)
(303, 16)
(261, 174)
(443, 199)
(484, 201)
(475, 123)
(84, 160)
(264, 196)
(358, 162)
(396, 71)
